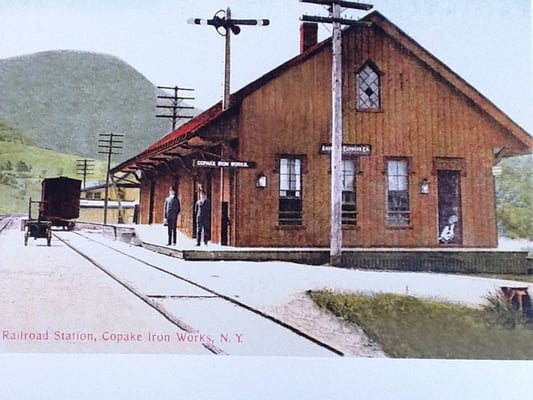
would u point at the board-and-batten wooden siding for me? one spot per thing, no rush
(422, 117)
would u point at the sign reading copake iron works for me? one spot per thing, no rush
(222, 164)
(348, 149)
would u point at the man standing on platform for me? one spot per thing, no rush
(171, 209)
(202, 209)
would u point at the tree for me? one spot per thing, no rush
(514, 198)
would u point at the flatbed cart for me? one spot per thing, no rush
(37, 228)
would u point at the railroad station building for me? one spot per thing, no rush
(420, 144)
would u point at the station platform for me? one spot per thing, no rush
(444, 260)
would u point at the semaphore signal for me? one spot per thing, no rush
(225, 26)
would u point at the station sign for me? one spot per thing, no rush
(223, 164)
(348, 149)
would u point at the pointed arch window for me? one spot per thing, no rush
(368, 92)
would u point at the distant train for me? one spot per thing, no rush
(59, 205)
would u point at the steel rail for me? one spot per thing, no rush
(5, 222)
(145, 298)
(238, 303)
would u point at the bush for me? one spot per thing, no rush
(8, 179)
(500, 311)
(22, 167)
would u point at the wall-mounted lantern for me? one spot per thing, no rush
(424, 186)
(261, 181)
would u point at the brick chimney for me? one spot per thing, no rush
(308, 35)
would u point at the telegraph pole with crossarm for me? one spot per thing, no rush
(336, 111)
(175, 105)
(225, 25)
(109, 143)
(84, 167)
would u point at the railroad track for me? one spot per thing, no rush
(6, 221)
(140, 271)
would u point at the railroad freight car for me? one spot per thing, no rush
(59, 204)
(60, 200)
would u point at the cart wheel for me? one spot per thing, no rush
(49, 238)
(26, 235)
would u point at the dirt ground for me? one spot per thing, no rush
(54, 301)
(303, 314)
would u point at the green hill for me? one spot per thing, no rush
(23, 166)
(54, 105)
(62, 100)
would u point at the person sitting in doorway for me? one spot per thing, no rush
(448, 232)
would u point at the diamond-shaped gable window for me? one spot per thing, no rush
(368, 89)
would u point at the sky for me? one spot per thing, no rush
(487, 42)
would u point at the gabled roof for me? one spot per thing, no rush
(190, 129)
(424, 56)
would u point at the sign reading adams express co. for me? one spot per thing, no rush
(222, 164)
(348, 149)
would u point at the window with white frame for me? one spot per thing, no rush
(368, 88)
(398, 213)
(349, 209)
(290, 191)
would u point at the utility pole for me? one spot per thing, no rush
(175, 105)
(225, 25)
(336, 118)
(109, 143)
(84, 167)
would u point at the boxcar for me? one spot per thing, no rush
(60, 200)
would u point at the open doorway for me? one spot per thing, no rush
(449, 205)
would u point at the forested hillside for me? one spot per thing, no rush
(23, 166)
(62, 100)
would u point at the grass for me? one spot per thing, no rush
(407, 327)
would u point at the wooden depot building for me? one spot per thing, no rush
(419, 147)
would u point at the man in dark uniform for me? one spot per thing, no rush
(202, 209)
(171, 209)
